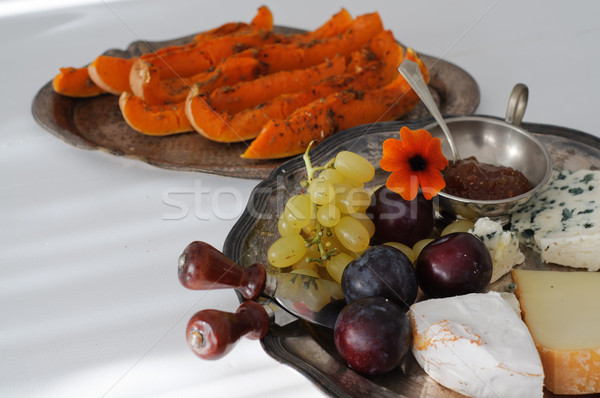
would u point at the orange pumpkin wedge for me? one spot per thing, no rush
(263, 20)
(245, 125)
(75, 82)
(153, 120)
(154, 90)
(300, 55)
(372, 67)
(255, 92)
(111, 73)
(337, 24)
(339, 111)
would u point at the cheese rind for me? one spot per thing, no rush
(477, 345)
(562, 311)
(502, 245)
(562, 221)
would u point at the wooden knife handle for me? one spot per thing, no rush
(211, 334)
(202, 267)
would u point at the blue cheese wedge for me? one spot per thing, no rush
(562, 221)
(502, 245)
(477, 345)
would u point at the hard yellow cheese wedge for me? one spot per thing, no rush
(562, 311)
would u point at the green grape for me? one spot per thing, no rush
(354, 166)
(299, 210)
(336, 266)
(458, 226)
(404, 249)
(321, 191)
(312, 252)
(331, 175)
(328, 215)
(286, 227)
(286, 251)
(353, 183)
(420, 245)
(351, 199)
(366, 222)
(352, 234)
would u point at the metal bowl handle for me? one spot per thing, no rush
(517, 103)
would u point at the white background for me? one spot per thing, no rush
(90, 305)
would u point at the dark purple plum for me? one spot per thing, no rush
(399, 220)
(454, 264)
(372, 335)
(381, 271)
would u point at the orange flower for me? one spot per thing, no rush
(414, 160)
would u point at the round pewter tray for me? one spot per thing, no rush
(308, 348)
(96, 123)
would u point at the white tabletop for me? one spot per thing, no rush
(90, 304)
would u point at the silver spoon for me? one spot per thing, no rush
(412, 73)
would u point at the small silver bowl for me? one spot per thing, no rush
(495, 142)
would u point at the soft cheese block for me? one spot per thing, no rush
(562, 221)
(477, 345)
(562, 311)
(502, 245)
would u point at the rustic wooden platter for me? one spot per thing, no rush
(310, 349)
(96, 123)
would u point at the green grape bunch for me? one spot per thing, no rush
(325, 227)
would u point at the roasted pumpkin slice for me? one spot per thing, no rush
(288, 56)
(337, 24)
(111, 73)
(153, 120)
(154, 90)
(263, 20)
(75, 82)
(247, 124)
(255, 92)
(339, 111)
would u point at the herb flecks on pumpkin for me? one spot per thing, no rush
(414, 160)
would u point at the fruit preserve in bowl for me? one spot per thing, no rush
(498, 143)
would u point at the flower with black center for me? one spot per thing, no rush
(414, 160)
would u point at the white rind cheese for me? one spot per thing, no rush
(477, 345)
(562, 221)
(502, 245)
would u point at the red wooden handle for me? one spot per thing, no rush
(211, 334)
(202, 267)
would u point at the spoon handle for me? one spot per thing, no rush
(412, 73)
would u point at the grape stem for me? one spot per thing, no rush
(310, 170)
(317, 240)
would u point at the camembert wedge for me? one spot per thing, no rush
(562, 311)
(477, 345)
